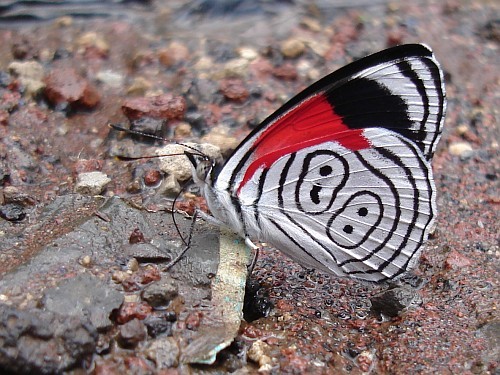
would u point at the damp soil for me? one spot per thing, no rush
(215, 70)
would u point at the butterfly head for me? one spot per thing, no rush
(203, 167)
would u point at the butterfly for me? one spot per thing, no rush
(339, 178)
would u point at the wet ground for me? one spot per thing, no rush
(83, 286)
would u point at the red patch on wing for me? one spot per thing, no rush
(312, 122)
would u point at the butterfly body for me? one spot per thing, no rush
(339, 178)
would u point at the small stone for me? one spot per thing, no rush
(88, 165)
(86, 260)
(218, 137)
(286, 71)
(152, 177)
(65, 85)
(248, 53)
(30, 74)
(179, 165)
(257, 353)
(119, 276)
(133, 310)
(311, 23)
(183, 130)
(139, 86)
(133, 265)
(391, 302)
(164, 106)
(158, 325)
(234, 89)
(94, 41)
(91, 183)
(455, 260)
(236, 68)
(173, 54)
(110, 78)
(12, 212)
(132, 333)
(136, 237)
(164, 351)
(161, 292)
(193, 320)
(462, 149)
(292, 48)
(12, 194)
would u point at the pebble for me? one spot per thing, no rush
(91, 183)
(160, 293)
(139, 86)
(65, 85)
(164, 351)
(234, 89)
(179, 165)
(248, 53)
(110, 78)
(166, 106)
(292, 48)
(391, 302)
(88, 165)
(30, 75)
(257, 351)
(462, 149)
(175, 53)
(95, 41)
(218, 137)
(12, 212)
(455, 260)
(183, 130)
(133, 310)
(236, 68)
(132, 333)
(286, 71)
(159, 325)
(12, 194)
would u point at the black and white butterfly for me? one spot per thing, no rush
(339, 178)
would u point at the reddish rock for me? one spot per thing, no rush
(286, 71)
(152, 177)
(9, 100)
(234, 89)
(132, 333)
(136, 236)
(165, 106)
(137, 365)
(193, 320)
(65, 85)
(455, 260)
(133, 310)
(87, 165)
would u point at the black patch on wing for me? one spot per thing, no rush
(364, 103)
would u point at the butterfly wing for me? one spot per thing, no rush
(376, 124)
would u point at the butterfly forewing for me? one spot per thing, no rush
(339, 178)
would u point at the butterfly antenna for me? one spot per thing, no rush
(136, 132)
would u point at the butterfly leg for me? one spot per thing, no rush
(256, 251)
(174, 261)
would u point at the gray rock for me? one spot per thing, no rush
(164, 351)
(41, 342)
(84, 296)
(391, 302)
(132, 333)
(160, 293)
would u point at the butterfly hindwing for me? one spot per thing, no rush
(364, 213)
